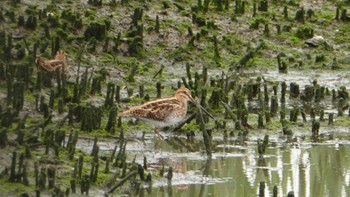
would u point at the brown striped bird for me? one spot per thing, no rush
(53, 64)
(164, 112)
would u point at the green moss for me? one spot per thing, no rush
(257, 22)
(8, 188)
(265, 63)
(181, 27)
(181, 53)
(342, 121)
(134, 100)
(144, 68)
(31, 10)
(102, 177)
(107, 58)
(328, 16)
(157, 51)
(37, 153)
(304, 31)
(185, 13)
(274, 125)
(342, 35)
(62, 33)
(125, 62)
(295, 41)
(192, 126)
(64, 179)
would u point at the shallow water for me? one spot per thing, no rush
(307, 169)
(327, 78)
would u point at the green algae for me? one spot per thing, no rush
(8, 188)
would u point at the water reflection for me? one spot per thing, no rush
(306, 169)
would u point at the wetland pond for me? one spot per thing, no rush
(307, 169)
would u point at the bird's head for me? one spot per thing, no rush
(185, 94)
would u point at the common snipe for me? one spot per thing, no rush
(53, 64)
(164, 112)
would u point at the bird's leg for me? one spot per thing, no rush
(157, 130)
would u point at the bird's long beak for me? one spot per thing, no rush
(202, 108)
(211, 116)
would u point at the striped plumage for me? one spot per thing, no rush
(60, 55)
(162, 112)
(51, 65)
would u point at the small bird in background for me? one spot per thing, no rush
(61, 55)
(164, 112)
(51, 65)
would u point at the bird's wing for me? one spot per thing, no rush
(155, 110)
(55, 63)
(50, 65)
(159, 104)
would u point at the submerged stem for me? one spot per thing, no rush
(207, 138)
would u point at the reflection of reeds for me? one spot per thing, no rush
(207, 138)
(121, 182)
(262, 189)
(206, 170)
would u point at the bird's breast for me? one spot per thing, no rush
(176, 117)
